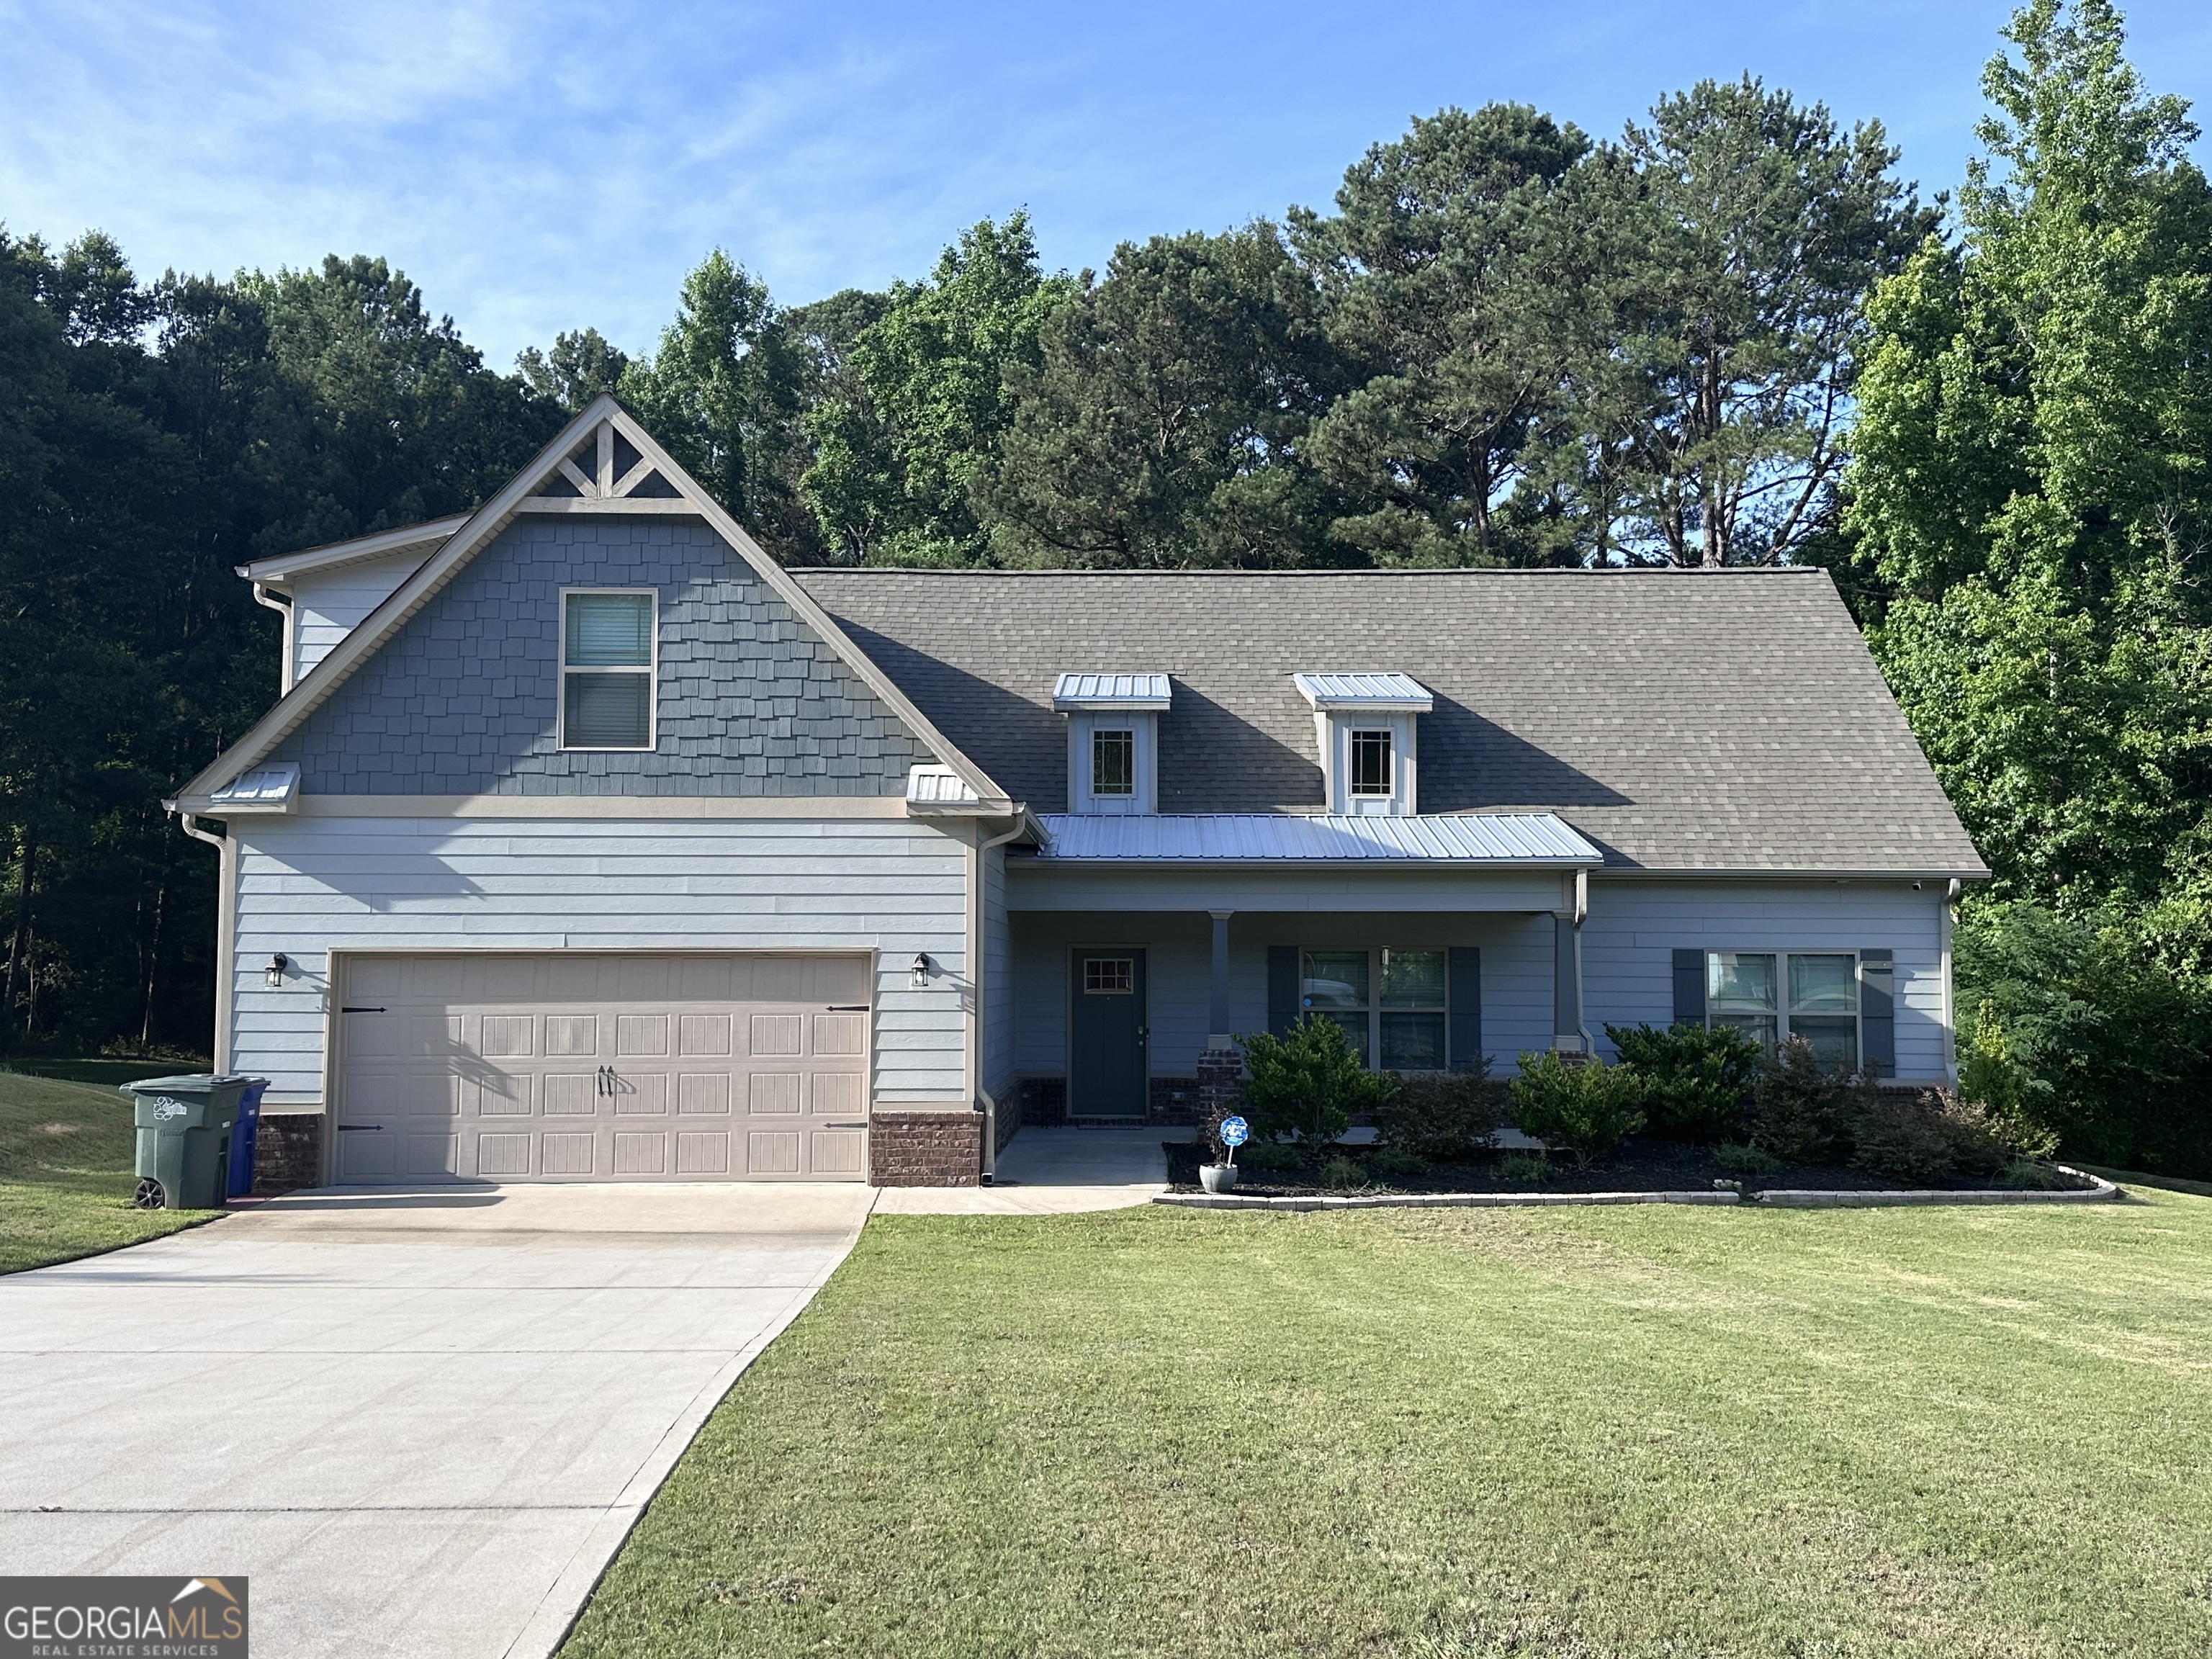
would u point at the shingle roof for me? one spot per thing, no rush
(1682, 720)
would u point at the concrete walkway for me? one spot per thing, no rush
(1053, 1172)
(420, 1424)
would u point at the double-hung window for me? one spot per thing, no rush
(1773, 996)
(607, 668)
(1391, 1003)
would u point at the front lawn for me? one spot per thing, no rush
(1583, 1432)
(65, 1175)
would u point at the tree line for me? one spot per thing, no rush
(1732, 334)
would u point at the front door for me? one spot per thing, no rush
(1106, 1068)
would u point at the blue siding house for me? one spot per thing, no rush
(587, 843)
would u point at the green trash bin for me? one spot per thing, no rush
(183, 1138)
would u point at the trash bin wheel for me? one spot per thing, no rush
(149, 1195)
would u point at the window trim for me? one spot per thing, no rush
(1143, 726)
(1781, 953)
(650, 669)
(1375, 1009)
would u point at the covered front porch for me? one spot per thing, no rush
(1132, 978)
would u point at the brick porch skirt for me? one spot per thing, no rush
(287, 1152)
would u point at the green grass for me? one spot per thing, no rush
(65, 1176)
(1578, 1433)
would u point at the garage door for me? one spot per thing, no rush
(603, 1068)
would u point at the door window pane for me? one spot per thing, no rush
(1413, 979)
(1824, 985)
(1735, 979)
(1834, 1038)
(1412, 1043)
(1108, 977)
(610, 630)
(1113, 762)
(1370, 762)
(1337, 978)
(608, 711)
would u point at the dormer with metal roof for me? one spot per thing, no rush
(1113, 739)
(1365, 726)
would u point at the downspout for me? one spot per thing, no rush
(1950, 1008)
(1582, 985)
(976, 848)
(226, 931)
(283, 608)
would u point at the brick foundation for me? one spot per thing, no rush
(925, 1149)
(287, 1152)
(1174, 1100)
(1005, 1122)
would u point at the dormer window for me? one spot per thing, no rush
(1113, 739)
(1364, 730)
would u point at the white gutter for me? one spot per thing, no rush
(283, 608)
(226, 932)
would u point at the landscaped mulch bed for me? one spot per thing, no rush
(1640, 1166)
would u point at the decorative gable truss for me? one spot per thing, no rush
(606, 474)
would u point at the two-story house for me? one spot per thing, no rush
(587, 843)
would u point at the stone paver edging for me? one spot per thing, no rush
(1782, 1197)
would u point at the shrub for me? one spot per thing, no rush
(1742, 1160)
(1695, 1081)
(1443, 1116)
(1340, 1172)
(1531, 1167)
(1307, 1083)
(1925, 1138)
(1267, 1155)
(1587, 1109)
(1800, 1108)
(1395, 1161)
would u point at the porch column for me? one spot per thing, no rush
(1566, 985)
(1216, 1022)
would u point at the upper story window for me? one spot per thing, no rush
(1364, 728)
(608, 647)
(1113, 739)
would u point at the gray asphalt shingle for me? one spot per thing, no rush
(1682, 720)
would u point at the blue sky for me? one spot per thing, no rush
(542, 168)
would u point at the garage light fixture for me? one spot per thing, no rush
(273, 975)
(920, 971)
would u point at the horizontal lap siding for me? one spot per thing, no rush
(309, 886)
(1633, 928)
(329, 604)
(998, 1011)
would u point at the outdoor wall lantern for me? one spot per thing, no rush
(920, 971)
(273, 975)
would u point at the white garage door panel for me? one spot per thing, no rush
(603, 1067)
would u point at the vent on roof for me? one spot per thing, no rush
(1136, 692)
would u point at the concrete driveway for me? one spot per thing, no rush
(419, 1424)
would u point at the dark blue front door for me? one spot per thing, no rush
(1107, 1034)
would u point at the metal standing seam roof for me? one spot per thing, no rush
(939, 786)
(1364, 692)
(1502, 838)
(265, 788)
(1111, 691)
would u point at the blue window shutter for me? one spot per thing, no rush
(1878, 1011)
(1463, 993)
(1282, 988)
(1689, 987)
